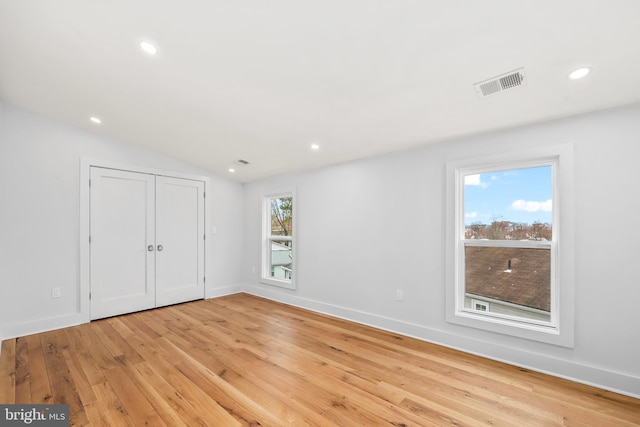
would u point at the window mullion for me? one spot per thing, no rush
(542, 244)
(281, 238)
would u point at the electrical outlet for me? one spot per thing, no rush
(56, 293)
(399, 295)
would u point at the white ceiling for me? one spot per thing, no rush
(261, 80)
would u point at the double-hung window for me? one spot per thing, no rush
(507, 217)
(278, 251)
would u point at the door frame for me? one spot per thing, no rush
(84, 303)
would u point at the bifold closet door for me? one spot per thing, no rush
(122, 242)
(179, 240)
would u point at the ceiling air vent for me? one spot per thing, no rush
(242, 162)
(500, 83)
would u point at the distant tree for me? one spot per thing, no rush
(518, 230)
(540, 231)
(507, 230)
(281, 215)
(476, 229)
(498, 229)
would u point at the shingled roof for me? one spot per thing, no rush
(527, 283)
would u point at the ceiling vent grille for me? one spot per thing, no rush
(500, 83)
(242, 162)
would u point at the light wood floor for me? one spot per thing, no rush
(241, 360)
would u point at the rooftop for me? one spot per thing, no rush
(518, 276)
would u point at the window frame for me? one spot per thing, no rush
(560, 328)
(268, 239)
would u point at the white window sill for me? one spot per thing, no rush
(287, 284)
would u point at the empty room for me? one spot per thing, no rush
(353, 213)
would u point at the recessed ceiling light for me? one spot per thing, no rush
(95, 120)
(579, 73)
(232, 170)
(148, 47)
(315, 147)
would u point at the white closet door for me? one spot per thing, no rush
(122, 242)
(179, 240)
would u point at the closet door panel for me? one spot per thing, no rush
(122, 230)
(179, 240)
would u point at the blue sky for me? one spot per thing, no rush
(518, 195)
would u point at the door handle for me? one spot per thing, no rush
(150, 248)
(160, 248)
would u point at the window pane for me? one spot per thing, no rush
(281, 216)
(514, 281)
(511, 204)
(281, 259)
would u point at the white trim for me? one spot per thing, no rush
(560, 331)
(286, 284)
(595, 376)
(30, 327)
(88, 162)
(84, 303)
(222, 291)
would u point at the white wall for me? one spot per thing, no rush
(369, 227)
(40, 217)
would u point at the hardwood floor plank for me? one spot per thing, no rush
(202, 403)
(139, 409)
(23, 377)
(368, 393)
(246, 361)
(174, 399)
(233, 359)
(333, 377)
(135, 323)
(62, 385)
(107, 409)
(40, 386)
(226, 368)
(247, 410)
(85, 391)
(98, 416)
(252, 360)
(116, 343)
(92, 354)
(163, 407)
(451, 386)
(8, 372)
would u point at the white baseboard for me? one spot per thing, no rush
(42, 325)
(590, 375)
(220, 292)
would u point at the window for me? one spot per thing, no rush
(507, 243)
(278, 257)
(479, 305)
(504, 233)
